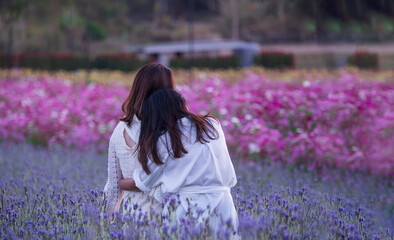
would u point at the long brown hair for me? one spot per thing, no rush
(161, 113)
(149, 78)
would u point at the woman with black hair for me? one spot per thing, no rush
(184, 155)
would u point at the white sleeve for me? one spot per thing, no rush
(146, 182)
(112, 191)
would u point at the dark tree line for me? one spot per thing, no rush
(76, 25)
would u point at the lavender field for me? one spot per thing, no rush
(57, 194)
(314, 157)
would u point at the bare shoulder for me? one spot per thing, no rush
(118, 131)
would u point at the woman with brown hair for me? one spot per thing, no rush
(184, 155)
(122, 157)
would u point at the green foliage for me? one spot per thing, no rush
(210, 63)
(69, 18)
(54, 61)
(95, 31)
(12, 10)
(64, 25)
(334, 25)
(66, 61)
(275, 60)
(364, 60)
(310, 26)
(118, 61)
(388, 26)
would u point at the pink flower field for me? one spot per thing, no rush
(346, 121)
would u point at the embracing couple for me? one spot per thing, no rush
(159, 148)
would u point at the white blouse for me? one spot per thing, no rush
(202, 177)
(122, 161)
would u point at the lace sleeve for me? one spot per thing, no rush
(112, 192)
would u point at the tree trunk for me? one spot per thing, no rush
(281, 10)
(318, 21)
(235, 19)
(10, 44)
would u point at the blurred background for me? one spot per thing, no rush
(123, 35)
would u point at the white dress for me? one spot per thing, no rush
(122, 161)
(202, 177)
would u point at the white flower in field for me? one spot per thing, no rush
(255, 128)
(91, 86)
(39, 92)
(26, 102)
(102, 128)
(361, 94)
(111, 124)
(358, 151)
(248, 117)
(248, 95)
(183, 88)
(223, 111)
(91, 125)
(268, 95)
(236, 121)
(63, 115)
(216, 81)
(30, 126)
(253, 148)
(54, 114)
(202, 75)
(306, 83)
(68, 82)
